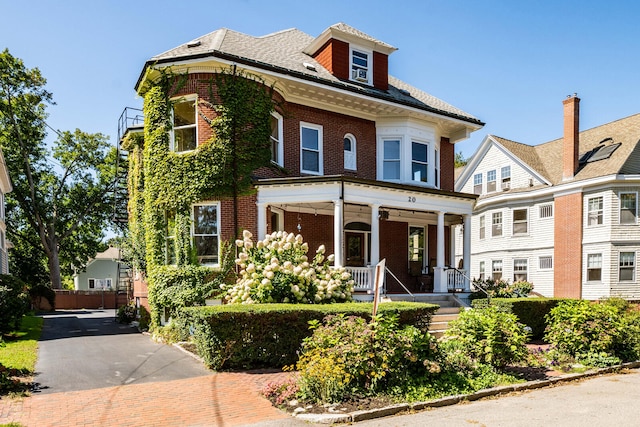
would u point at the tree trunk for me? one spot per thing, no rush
(54, 267)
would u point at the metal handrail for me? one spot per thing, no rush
(471, 283)
(401, 284)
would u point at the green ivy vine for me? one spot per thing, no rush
(162, 181)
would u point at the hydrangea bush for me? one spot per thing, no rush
(277, 269)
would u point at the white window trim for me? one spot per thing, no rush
(218, 218)
(493, 270)
(279, 117)
(587, 267)
(515, 272)
(429, 178)
(89, 283)
(482, 227)
(514, 222)
(480, 175)
(381, 158)
(494, 180)
(320, 145)
(632, 267)
(186, 98)
(353, 152)
(601, 212)
(369, 68)
(620, 207)
(501, 225)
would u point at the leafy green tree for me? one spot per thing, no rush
(66, 201)
(459, 160)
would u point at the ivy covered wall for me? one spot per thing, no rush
(233, 110)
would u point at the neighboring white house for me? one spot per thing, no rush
(101, 273)
(562, 215)
(5, 187)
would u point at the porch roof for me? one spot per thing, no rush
(310, 189)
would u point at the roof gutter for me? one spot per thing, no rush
(246, 61)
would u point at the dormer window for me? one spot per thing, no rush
(361, 70)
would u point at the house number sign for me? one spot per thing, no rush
(412, 199)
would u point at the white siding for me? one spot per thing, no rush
(599, 289)
(496, 159)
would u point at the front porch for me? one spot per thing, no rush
(364, 277)
(364, 221)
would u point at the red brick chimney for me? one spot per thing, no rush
(570, 144)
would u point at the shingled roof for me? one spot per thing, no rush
(546, 159)
(283, 52)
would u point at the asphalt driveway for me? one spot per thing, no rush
(88, 349)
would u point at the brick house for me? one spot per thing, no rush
(563, 214)
(364, 160)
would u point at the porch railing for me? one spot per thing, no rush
(456, 280)
(363, 278)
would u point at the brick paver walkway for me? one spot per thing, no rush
(220, 399)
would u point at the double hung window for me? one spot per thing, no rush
(627, 266)
(419, 161)
(184, 132)
(361, 66)
(205, 232)
(496, 224)
(277, 152)
(391, 159)
(594, 211)
(477, 183)
(311, 148)
(520, 221)
(594, 267)
(628, 208)
(491, 181)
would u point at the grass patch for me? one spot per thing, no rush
(20, 349)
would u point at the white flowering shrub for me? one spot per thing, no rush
(277, 269)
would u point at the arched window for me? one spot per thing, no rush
(349, 152)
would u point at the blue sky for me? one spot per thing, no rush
(509, 63)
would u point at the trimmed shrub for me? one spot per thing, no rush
(488, 335)
(530, 311)
(595, 333)
(239, 336)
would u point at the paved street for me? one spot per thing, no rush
(608, 400)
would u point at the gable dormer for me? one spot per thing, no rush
(352, 55)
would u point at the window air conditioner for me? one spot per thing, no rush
(506, 185)
(360, 75)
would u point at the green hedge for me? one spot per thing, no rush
(530, 311)
(270, 335)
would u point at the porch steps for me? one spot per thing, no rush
(440, 320)
(448, 311)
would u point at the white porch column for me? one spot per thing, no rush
(262, 220)
(452, 245)
(466, 249)
(338, 232)
(375, 234)
(440, 237)
(439, 273)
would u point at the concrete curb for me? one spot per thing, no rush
(452, 400)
